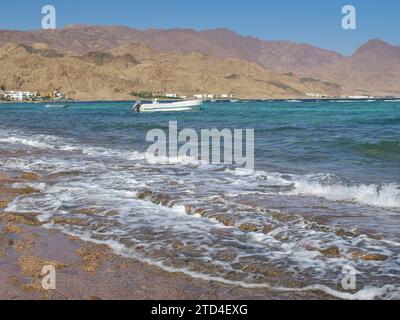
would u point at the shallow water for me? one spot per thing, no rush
(327, 176)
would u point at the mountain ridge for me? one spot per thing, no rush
(373, 69)
(116, 73)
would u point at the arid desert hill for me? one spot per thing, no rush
(208, 60)
(116, 73)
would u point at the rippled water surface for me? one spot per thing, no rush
(325, 192)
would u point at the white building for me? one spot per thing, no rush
(19, 95)
(171, 95)
(57, 95)
(204, 96)
(317, 95)
(227, 96)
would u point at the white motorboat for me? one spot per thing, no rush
(156, 106)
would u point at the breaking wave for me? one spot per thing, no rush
(223, 240)
(383, 196)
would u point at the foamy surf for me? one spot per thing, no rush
(368, 293)
(250, 228)
(321, 185)
(385, 196)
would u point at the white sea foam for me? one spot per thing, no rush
(27, 142)
(367, 293)
(56, 143)
(40, 141)
(385, 196)
(113, 185)
(37, 186)
(328, 186)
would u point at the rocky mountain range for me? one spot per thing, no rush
(97, 62)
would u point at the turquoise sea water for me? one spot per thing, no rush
(327, 176)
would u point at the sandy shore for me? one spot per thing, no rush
(89, 271)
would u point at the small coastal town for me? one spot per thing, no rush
(58, 95)
(12, 95)
(175, 96)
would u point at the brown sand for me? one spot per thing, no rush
(89, 271)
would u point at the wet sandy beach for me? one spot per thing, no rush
(89, 271)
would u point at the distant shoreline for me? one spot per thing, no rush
(212, 100)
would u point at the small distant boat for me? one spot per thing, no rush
(156, 106)
(56, 106)
(234, 101)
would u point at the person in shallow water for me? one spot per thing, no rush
(137, 106)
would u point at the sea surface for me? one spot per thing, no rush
(324, 194)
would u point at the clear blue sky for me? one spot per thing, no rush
(317, 22)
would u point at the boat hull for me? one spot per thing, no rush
(194, 105)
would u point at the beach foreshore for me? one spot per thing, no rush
(88, 271)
